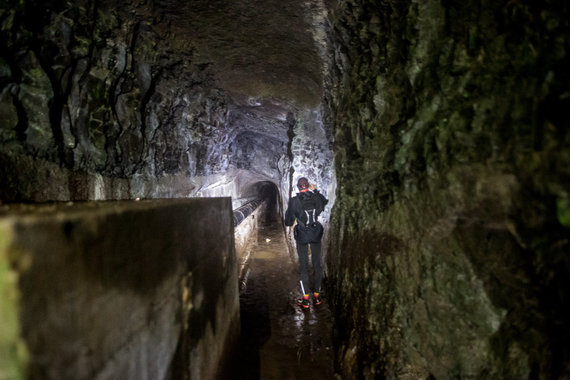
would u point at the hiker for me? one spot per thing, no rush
(304, 209)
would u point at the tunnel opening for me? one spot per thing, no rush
(260, 210)
(268, 193)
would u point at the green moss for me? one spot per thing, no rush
(563, 211)
(37, 73)
(13, 354)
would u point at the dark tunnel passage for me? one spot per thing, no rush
(261, 194)
(438, 131)
(269, 192)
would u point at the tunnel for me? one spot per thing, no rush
(149, 151)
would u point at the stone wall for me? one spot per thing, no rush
(133, 290)
(107, 100)
(449, 247)
(92, 87)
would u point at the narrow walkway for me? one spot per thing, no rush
(280, 340)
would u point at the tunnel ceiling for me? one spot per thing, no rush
(263, 54)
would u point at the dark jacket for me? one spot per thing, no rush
(306, 230)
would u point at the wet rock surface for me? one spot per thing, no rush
(279, 339)
(452, 154)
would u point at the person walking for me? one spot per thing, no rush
(303, 212)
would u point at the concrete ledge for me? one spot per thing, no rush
(246, 234)
(130, 290)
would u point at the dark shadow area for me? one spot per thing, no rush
(255, 326)
(267, 192)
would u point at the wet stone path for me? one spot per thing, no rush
(279, 339)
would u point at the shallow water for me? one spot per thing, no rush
(279, 339)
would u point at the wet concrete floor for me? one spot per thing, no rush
(279, 339)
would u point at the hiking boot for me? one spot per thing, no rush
(304, 303)
(317, 300)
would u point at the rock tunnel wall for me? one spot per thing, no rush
(106, 100)
(132, 290)
(85, 93)
(449, 255)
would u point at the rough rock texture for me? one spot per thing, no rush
(107, 100)
(449, 255)
(311, 156)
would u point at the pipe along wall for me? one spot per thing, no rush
(246, 227)
(130, 290)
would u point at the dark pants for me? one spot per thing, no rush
(303, 252)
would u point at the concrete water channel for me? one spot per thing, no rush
(279, 339)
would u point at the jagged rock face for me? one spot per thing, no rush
(151, 98)
(450, 231)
